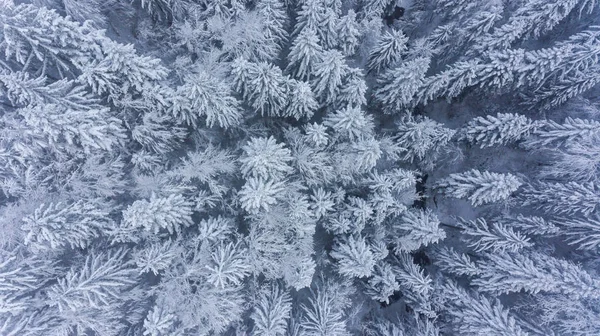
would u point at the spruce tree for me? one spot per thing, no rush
(474, 314)
(482, 236)
(328, 75)
(349, 33)
(158, 213)
(415, 229)
(534, 272)
(302, 102)
(354, 89)
(382, 283)
(584, 233)
(421, 137)
(571, 130)
(272, 311)
(502, 129)
(479, 187)
(355, 259)
(204, 96)
(397, 86)
(60, 225)
(388, 51)
(350, 122)
(561, 198)
(305, 52)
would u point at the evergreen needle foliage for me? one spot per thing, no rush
(299, 167)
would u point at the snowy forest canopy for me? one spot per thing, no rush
(300, 167)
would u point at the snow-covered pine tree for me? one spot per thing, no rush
(354, 89)
(276, 20)
(316, 134)
(421, 137)
(311, 160)
(322, 202)
(328, 75)
(329, 28)
(519, 67)
(156, 257)
(61, 225)
(583, 48)
(157, 134)
(259, 194)
(22, 275)
(302, 102)
(562, 89)
(310, 16)
(479, 187)
(349, 33)
(354, 257)
(248, 35)
(510, 69)
(572, 130)
(227, 266)
(388, 51)
(458, 35)
(263, 86)
(298, 271)
(37, 35)
(92, 130)
(385, 205)
(397, 86)
(204, 165)
(264, 157)
(375, 8)
(582, 232)
(322, 315)
(474, 314)
(561, 198)
(493, 237)
(532, 225)
(416, 286)
(324, 311)
(534, 272)
(364, 152)
(450, 8)
(577, 162)
(502, 129)
(121, 70)
(159, 322)
(205, 96)
(101, 282)
(564, 315)
(412, 277)
(170, 213)
(158, 9)
(22, 90)
(450, 82)
(305, 52)
(272, 311)
(382, 284)
(392, 181)
(361, 211)
(210, 305)
(532, 19)
(88, 10)
(215, 229)
(242, 72)
(415, 229)
(453, 262)
(350, 123)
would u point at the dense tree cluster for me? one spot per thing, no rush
(299, 167)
